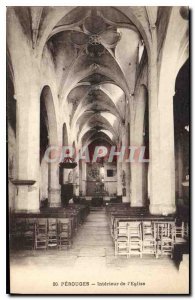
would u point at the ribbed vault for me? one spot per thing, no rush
(95, 70)
(95, 52)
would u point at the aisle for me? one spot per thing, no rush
(94, 236)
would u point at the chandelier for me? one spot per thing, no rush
(68, 163)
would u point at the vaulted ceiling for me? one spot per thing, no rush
(96, 57)
(96, 51)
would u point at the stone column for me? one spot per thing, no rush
(76, 180)
(138, 174)
(27, 152)
(161, 130)
(154, 137)
(84, 176)
(54, 188)
(128, 191)
(167, 153)
(80, 177)
(119, 178)
(27, 93)
(125, 168)
(21, 200)
(137, 185)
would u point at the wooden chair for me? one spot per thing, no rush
(41, 234)
(17, 233)
(122, 239)
(52, 234)
(165, 238)
(135, 238)
(64, 233)
(29, 234)
(148, 238)
(181, 233)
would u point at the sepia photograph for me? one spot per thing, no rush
(98, 150)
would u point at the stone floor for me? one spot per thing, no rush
(91, 260)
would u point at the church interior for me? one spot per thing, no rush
(93, 78)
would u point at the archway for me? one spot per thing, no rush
(44, 143)
(181, 104)
(50, 188)
(101, 174)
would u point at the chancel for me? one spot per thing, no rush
(98, 138)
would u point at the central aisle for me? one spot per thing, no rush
(93, 237)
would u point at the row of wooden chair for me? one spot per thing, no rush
(78, 211)
(41, 233)
(52, 227)
(147, 237)
(124, 211)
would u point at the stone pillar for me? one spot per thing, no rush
(138, 174)
(119, 178)
(84, 176)
(167, 153)
(138, 184)
(128, 180)
(54, 188)
(154, 138)
(76, 180)
(27, 152)
(21, 202)
(125, 169)
(162, 171)
(80, 177)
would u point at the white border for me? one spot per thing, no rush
(98, 3)
(3, 5)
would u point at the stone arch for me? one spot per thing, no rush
(54, 16)
(84, 105)
(46, 96)
(91, 136)
(131, 15)
(50, 128)
(176, 37)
